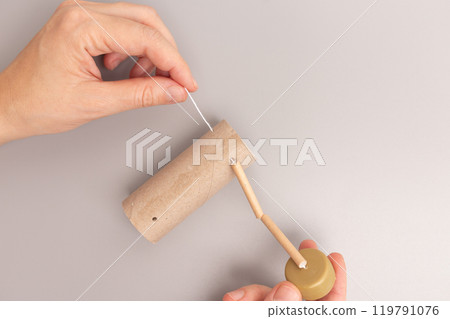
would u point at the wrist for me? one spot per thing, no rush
(8, 131)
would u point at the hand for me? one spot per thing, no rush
(286, 291)
(54, 84)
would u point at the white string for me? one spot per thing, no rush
(310, 236)
(313, 63)
(209, 126)
(133, 243)
(137, 63)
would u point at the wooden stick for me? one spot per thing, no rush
(247, 188)
(270, 224)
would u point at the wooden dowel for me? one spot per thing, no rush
(284, 241)
(270, 224)
(247, 188)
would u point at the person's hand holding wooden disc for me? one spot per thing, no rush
(286, 291)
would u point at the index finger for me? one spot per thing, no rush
(308, 243)
(115, 34)
(136, 12)
(339, 290)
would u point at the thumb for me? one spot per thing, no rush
(284, 291)
(247, 293)
(140, 92)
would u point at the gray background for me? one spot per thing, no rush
(377, 105)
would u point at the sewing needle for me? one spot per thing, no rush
(198, 110)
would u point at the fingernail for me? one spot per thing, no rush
(286, 293)
(177, 93)
(237, 294)
(195, 84)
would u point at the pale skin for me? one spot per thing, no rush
(54, 86)
(286, 291)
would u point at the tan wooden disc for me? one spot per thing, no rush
(316, 280)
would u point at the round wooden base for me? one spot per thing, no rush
(316, 280)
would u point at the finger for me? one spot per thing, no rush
(248, 293)
(308, 243)
(142, 68)
(284, 291)
(139, 40)
(162, 73)
(339, 290)
(112, 60)
(136, 12)
(118, 96)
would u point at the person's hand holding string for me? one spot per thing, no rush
(54, 84)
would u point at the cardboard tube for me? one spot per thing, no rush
(186, 183)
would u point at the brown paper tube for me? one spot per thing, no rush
(181, 187)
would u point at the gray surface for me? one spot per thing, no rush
(376, 105)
